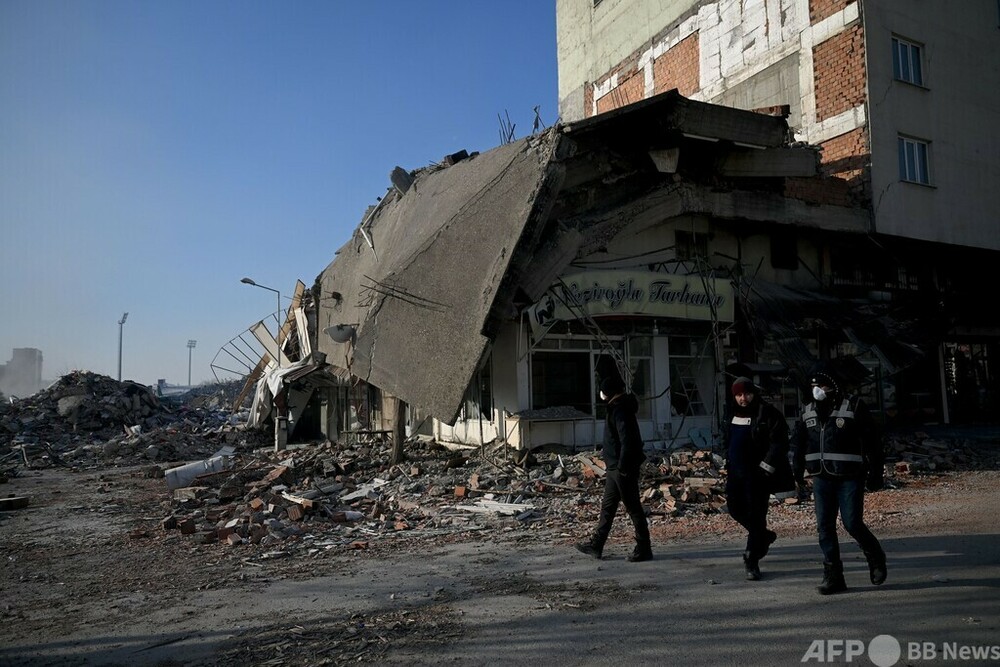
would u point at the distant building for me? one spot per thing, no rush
(22, 375)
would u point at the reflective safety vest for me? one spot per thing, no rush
(834, 447)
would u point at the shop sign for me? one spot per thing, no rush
(642, 293)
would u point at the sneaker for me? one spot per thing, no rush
(589, 549)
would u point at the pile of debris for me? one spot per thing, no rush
(87, 419)
(344, 495)
(919, 453)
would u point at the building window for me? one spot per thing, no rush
(479, 395)
(913, 160)
(784, 250)
(690, 246)
(906, 61)
(691, 370)
(560, 379)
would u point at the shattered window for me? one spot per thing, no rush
(479, 396)
(560, 379)
(690, 246)
(691, 371)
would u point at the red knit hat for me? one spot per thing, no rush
(744, 385)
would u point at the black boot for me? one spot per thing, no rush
(833, 579)
(591, 548)
(876, 568)
(642, 552)
(752, 567)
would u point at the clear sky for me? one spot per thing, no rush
(154, 153)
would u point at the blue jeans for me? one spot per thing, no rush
(846, 495)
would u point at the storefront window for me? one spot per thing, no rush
(561, 379)
(690, 372)
(479, 396)
(568, 371)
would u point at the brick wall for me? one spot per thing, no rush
(678, 68)
(844, 169)
(821, 9)
(631, 88)
(839, 73)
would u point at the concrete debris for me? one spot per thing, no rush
(86, 420)
(224, 487)
(919, 453)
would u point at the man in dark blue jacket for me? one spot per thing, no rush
(838, 446)
(755, 437)
(623, 457)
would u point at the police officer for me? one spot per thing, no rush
(836, 443)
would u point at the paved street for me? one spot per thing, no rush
(554, 606)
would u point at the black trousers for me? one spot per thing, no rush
(747, 498)
(622, 489)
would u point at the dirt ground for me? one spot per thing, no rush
(88, 553)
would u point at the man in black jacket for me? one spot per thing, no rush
(756, 443)
(838, 446)
(623, 456)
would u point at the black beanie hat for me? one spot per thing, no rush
(612, 386)
(743, 385)
(823, 378)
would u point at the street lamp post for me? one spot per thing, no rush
(280, 420)
(121, 326)
(277, 335)
(191, 344)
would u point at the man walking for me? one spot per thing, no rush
(838, 446)
(756, 443)
(623, 456)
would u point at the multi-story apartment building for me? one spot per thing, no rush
(22, 375)
(903, 99)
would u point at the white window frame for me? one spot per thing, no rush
(914, 160)
(907, 61)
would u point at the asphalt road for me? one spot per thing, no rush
(551, 605)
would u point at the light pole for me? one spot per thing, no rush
(280, 420)
(121, 326)
(277, 335)
(191, 344)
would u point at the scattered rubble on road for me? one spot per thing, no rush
(226, 488)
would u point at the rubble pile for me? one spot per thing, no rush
(349, 495)
(689, 479)
(919, 453)
(87, 419)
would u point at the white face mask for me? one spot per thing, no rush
(604, 397)
(819, 394)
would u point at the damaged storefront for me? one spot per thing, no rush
(490, 292)
(674, 242)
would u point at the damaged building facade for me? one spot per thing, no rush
(732, 188)
(905, 125)
(490, 293)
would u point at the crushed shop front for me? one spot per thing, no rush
(657, 330)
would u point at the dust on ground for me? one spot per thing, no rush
(90, 551)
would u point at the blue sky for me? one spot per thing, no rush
(154, 153)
